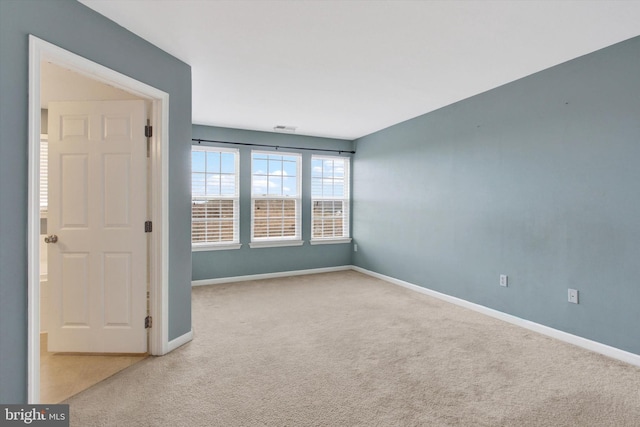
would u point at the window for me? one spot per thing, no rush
(329, 199)
(214, 198)
(275, 199)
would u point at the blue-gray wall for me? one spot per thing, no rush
(77, 28)
(247, 261)
(538, 179)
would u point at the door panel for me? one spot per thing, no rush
(117, 279)
(97, 208)
(116, 194)
(74, 180)
(75, 292)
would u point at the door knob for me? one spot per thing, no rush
(51, 239)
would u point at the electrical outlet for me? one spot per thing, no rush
(504, 280)
(573, 296)
(355, 247)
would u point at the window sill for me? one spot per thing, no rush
(223, 247)
(275, 244)
(330, 241)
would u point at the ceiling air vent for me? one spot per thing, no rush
(288, 129)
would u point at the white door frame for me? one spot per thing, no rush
(40, 50)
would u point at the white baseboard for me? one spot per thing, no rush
(269, 275)
(615, 353)
(180, 341)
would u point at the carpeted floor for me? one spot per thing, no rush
(345, 349)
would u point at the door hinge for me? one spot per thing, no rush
(148, 132)
(148, 322)
(148, 226)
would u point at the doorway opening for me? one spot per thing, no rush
(47, 59)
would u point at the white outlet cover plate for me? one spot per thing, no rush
(504, 280)
(573, 296)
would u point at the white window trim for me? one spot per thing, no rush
(201, 247)
(221, 246)
(346, 199)
(330, 240)
(275, 243)
(268, 242)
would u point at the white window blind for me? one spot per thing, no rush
(215, 197)
(275, 196)
(329, 197)
(44, 174)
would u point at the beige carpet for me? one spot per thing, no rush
(344, 349)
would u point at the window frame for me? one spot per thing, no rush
(345, 199)
(267, 242)
(224, 245)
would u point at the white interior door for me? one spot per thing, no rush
(97, 268)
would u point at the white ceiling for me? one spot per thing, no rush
(345, 69)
